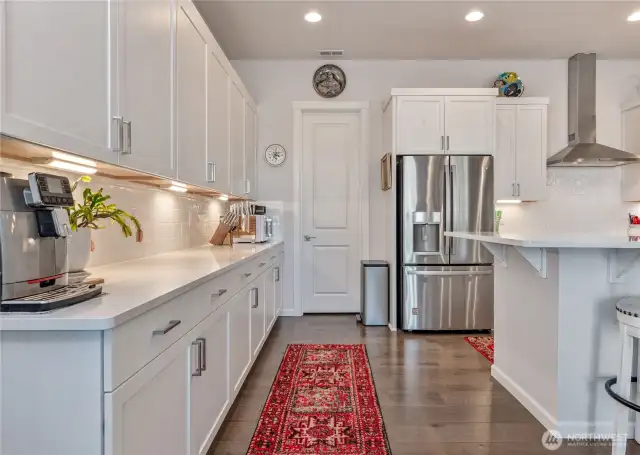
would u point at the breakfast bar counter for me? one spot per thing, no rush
(556, 334)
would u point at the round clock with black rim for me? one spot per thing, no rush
(275, 155)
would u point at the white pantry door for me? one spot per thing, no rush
(330, 212)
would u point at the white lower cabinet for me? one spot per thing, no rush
(239, 338)
(147, 414)
(209, 378)
(270, 296)
(258, 306)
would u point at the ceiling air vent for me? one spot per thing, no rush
(331, 53)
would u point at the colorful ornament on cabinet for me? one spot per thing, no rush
(509, 85)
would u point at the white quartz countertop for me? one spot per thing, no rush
(552, 241)
(134, 287)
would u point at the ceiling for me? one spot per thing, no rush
(266, 29)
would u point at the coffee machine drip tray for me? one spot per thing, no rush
(52, 300)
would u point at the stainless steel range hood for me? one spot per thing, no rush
(583, 149)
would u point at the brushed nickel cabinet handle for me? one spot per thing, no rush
(277, 273)
(198, 371)
(167, 328)
(442, 143)
(255, 298)
(247, 275)
(210, 172)
(273, 257)
(214, 167)
(127, 147)
(119, 134)
(262, 264)
(202, 347)
(448, 143)
(219, 293)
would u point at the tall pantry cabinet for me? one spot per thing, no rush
(142, 84)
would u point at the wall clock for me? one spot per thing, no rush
(329, 81)
(275, 155)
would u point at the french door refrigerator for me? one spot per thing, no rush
(447, 283)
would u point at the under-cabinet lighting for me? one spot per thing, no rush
(72, 158)
(180, 184)
(65, 165)
(508, 201)
(223, 197)
(178, 189)
(634, 17)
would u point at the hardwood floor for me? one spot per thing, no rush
(436, 393)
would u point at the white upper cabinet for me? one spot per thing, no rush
(521, 149)
(250, 152)
(420, 121)
(505, 157)
(237, 137)
(631, 143)
(436, 121)
(470, 125)
(140, 83)
(217, 125)
(55, 71)
(145, 39)
(191, 101)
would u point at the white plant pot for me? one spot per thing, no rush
(79, 249)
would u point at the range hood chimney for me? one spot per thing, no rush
(583, 149)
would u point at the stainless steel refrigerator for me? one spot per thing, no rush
(447, 283)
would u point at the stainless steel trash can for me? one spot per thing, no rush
(374, 300)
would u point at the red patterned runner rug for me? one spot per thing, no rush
(322, 402)
(484, 345)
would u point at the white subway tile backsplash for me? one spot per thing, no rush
(170, 221)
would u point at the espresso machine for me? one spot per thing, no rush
(34, 227)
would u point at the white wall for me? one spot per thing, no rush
(170, 221)
(275, 84)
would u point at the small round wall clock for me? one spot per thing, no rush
(329, 81)
(275, 155)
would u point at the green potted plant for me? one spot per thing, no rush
(86, 215)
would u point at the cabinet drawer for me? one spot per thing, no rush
(132, 345)
(221, 289)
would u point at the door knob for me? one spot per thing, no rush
(308, 238)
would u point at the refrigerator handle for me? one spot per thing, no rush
(452, 172)
(444, 245)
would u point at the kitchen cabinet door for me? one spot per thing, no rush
(237, 138)
(505, 157)
(258, 312)
(470, 125)
(147, 414)
(239, 338)
(270, 296)
(250, 152)
(56, 69)
(278, 284)
(420, 125)
(531, 152)
(209, 378)
(217, 125)
(145, 83)
(192, 101)
(631, 143)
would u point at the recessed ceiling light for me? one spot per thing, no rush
(474, 16)
(634, 17)
(313, 16)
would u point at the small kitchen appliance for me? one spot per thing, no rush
(255, 225)
(447, 283)
(34, 227)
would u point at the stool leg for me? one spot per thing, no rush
(624, 389)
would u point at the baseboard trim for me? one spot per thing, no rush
(535, 408)
(289, 312)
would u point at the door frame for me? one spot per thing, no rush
(362, 108)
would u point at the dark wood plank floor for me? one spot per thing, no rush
(436, 393)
